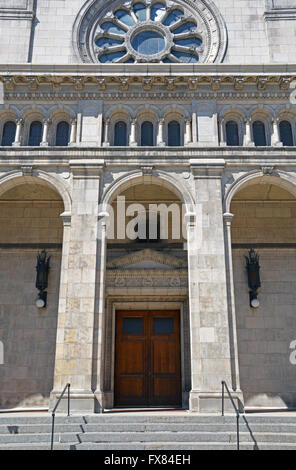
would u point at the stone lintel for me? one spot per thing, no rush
(207, 168)
(89, 169)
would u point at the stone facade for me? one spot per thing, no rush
(232, 172)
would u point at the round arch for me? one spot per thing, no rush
(17, 178)
(159, 178)
(281, 179)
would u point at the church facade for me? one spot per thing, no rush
(148, 159)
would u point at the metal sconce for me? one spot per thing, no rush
(254, 283)
(42, 269)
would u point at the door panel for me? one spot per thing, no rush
(147, 362)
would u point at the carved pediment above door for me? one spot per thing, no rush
(147, 259)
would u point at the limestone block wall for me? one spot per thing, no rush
(28, 334)
(265, 334)
(252, 39)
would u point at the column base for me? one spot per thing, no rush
(211, 402)
(81, 401)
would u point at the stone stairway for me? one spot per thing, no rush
(136, 431)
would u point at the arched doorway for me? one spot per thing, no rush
(29, 222)
(147, 318)
(265, 220)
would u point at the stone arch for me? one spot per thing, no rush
(157, 177)
(16, 178)
(278, 178)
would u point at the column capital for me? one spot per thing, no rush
(19, 122)
(66, 217)
(227, 217)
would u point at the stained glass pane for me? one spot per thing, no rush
(140, 11)
(148, 42)
(108, 42)
(259, 135)
(8, 134)
(174, 134)
(62, 137)
(232, 137)
(157, 11)
(185, 28)
(173, 17)
(286, 133)
(147, 134)
(35, 135)
(120, 139)
(124, 16)
(112, 28)
(189, 42)
(111, 56)
(185, 56)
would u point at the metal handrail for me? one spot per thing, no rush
(224, 385)
(54, 411)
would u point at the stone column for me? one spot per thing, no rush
(227, 216)
(44, 142)
(73, 132)
(106, 142)
(17, 140)
(100, 393)
(222, 133)
(209, 315)
(132, 140)
(188, 132)
(248, 142)
(75, 347)
(275, 138)
(194, 129)
(160, 141)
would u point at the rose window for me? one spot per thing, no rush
(149, 32)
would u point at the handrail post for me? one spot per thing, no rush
(52, 431)
(222, 398)
(54, 410)
(68, 399)
(237, 431)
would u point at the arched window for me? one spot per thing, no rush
(62, 135)
(8, 135)
(232, 136)
(174, 134)
(120, 134)
(147, 134)
(35, 135)
(286, 133)
(259, 134)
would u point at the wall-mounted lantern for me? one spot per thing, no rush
(254, 283)
(42, 269)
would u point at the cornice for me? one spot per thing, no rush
(181, 96)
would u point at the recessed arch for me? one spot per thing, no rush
(158, 178)
(280, 178)
(17, 178)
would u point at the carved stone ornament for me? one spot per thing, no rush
(110, 31)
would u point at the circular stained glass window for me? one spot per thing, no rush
(148, 42)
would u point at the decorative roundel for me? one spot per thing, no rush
(142, 31)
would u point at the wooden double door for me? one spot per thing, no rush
(147, 359)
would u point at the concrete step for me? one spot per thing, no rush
(175, 446)
(39, 446)
(47, 419)
(192, 427)
(36, 438)
(39, 429)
